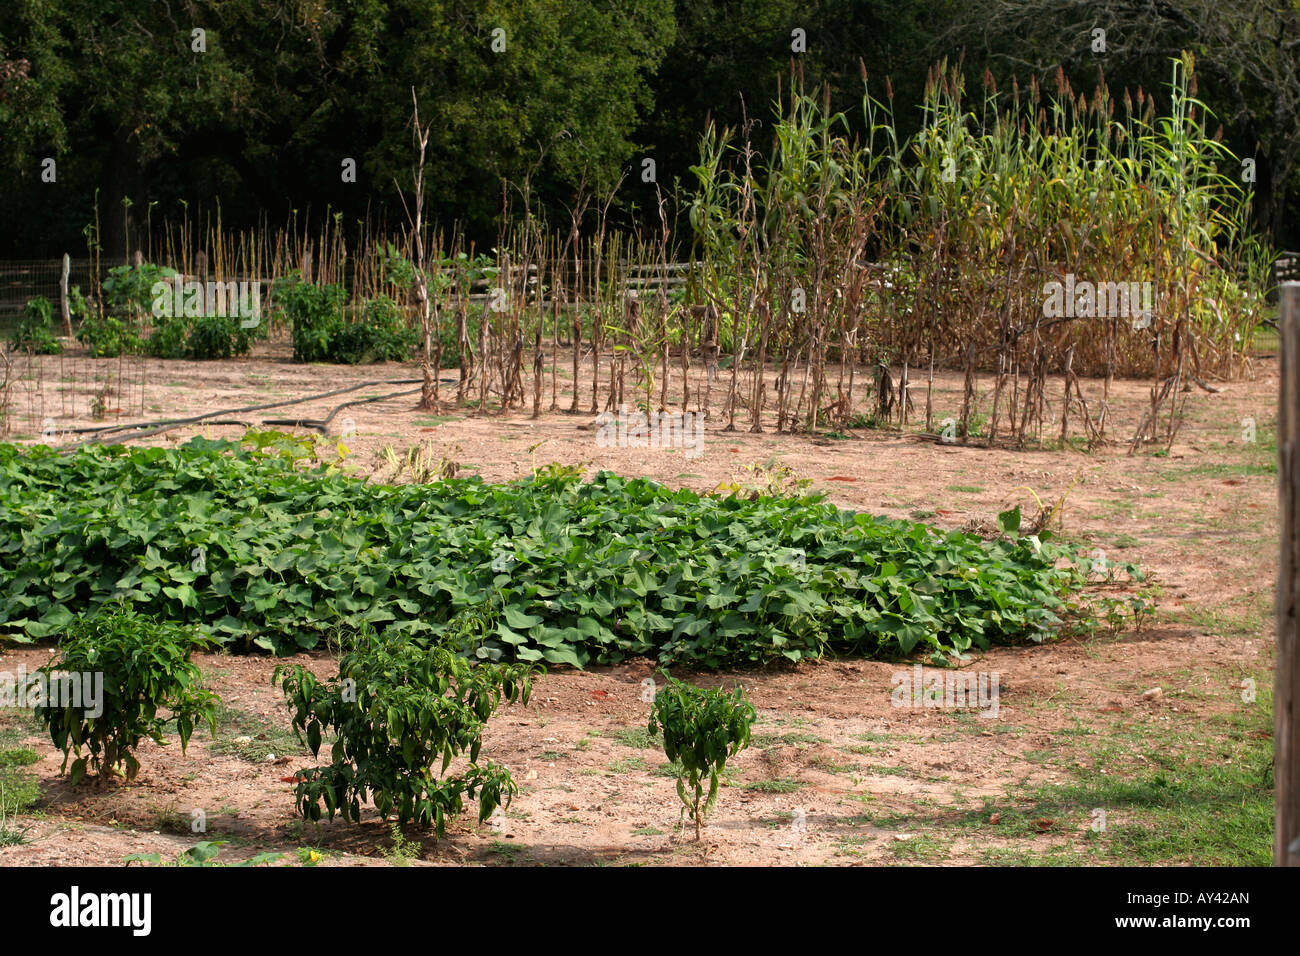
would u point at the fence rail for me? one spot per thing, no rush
(25, 279)
(1287, 267)
(21, 280)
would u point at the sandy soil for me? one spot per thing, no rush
(834, 763)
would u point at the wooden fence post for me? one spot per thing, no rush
(63, 296)
(1286, 687)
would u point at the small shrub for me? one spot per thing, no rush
(397, 268)
(218, 337)
(128, 290)
(145, 667)
(106, 337)
(168, 339)
(35, 330)
(315, 313)
(702, 730)
(403, 851)
(380, 336)
(396, 708)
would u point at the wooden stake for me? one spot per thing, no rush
(1286, 691)
(63, 296)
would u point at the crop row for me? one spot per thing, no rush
(259, 551)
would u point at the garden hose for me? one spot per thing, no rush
(147, 429)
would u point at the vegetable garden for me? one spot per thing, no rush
(399, 625)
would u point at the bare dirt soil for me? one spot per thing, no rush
(836, 773)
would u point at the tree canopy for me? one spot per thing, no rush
(255, 107)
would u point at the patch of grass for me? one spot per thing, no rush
(550, 756)
(792, 721)
(851, 846)
(782, 785)
(1038, 856)
(630, 763)
(507, 852)
(294, 830)
(648, 831)
(1185, 792)
(633, 737)
(18, 792)
(18, 757)
(921, 848)
(887, 771)
(253, 738)
(1125, 541)
(1220, 470)
(1227, 621)
(967, 489)
(169, 820)
(15, 726)
(764, 741)
(433, 421)
(876, 738)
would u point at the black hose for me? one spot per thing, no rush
(167, 424)
(322, 424)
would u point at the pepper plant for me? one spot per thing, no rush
(396, 707)
(702, 729)
(128, 667)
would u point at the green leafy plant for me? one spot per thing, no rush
(145, 667)
(702, 730)
(35, 329)
(308, 856)
(18, 757)
(218, 337)
(315, 313)
(380, 335)
(403, 851)
(396, 707)
(575, 572)
(395, 267)
(203, 853)
(168, 338)
(106, 337)
(128, 291)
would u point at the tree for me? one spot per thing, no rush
(1247, 57)
(262, 116)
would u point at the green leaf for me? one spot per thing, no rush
(1009, 521)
